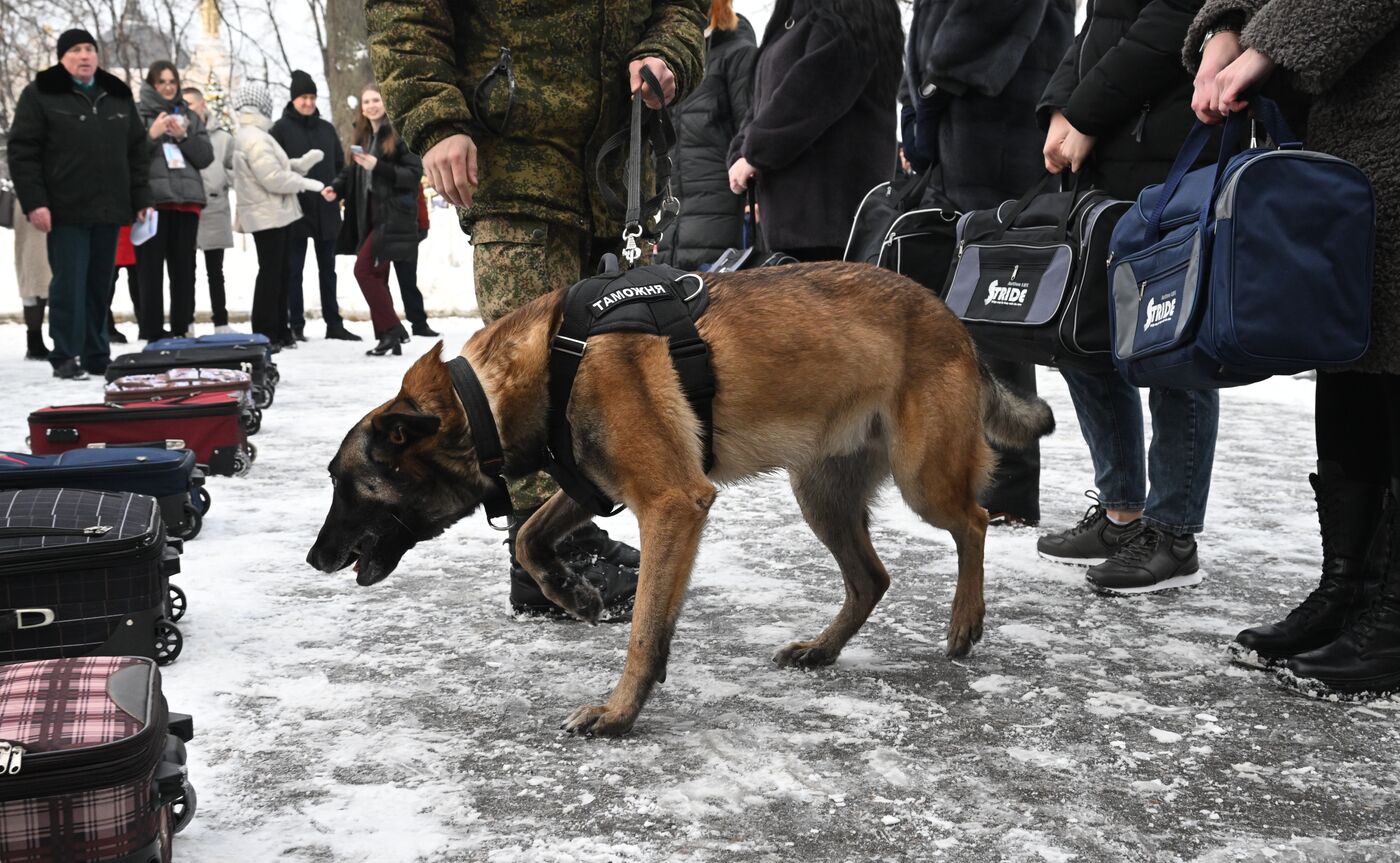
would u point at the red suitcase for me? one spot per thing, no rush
(208, 423)
(183, 382)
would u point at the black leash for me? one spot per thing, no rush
(485, 438)
(656, 126)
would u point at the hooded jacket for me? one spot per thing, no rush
(169, 185)
(821, 130)
(299, 135)
(265, 181)
(84, 157)
(383, 201)
(712, 217)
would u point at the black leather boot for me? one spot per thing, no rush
(616, 582)
(1364, 660)
(34, 325)
(390, 343)
(1348, 513)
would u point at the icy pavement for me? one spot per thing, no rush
(416, 720)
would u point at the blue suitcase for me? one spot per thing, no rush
(222, 340)
(169, 476)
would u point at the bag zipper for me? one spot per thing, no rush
(1160, 275)
(94, 530)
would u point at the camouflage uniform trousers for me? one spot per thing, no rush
(515, 260)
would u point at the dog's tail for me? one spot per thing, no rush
(1010, 419)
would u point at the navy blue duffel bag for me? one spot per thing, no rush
(1257, 265)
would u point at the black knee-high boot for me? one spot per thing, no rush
(34, 323)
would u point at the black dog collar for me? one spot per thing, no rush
(485, 439)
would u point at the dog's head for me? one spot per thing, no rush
(403, 475)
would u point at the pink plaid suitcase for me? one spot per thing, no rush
(92, 764)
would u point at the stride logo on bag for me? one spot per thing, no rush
(1013, 293)
(1008, 293)
(1160, 311)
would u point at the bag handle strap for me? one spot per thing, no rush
(1040, 188)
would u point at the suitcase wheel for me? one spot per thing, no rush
(182, 810)
(194, 520)
(262, 398)
(252, 452)
(175, 604)
(241, 463)
(203, 499)
(274, 376)
(252, 421)
(169, 642)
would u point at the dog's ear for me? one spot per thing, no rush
(402, 428)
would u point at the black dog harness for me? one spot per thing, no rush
(660, 300)
(485, 440)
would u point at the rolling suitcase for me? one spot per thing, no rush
(251, 360)
(208, 423)
(169, 476)
(183, 382)
(92, 763)
(86, 573)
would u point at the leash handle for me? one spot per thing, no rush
(657, 127)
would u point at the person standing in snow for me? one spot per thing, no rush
(216, 219)
(1344, 639)
(266, 183)
(33, 275)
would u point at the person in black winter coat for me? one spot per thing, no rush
(301, 130)
(380, 188)
(976, 71)
(712, 217)
(1118, 111)
(821, 131)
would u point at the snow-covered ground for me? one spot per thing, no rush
(416, 720)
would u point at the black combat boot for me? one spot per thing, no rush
(1348, 513)
(34, 332)
(1364, 661)
(615, 581)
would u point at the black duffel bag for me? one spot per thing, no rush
(895, 230)
(1030, 279)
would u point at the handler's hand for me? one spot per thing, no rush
(1252, 69)
(41, 219)
(1054, 139)
(1222, 50)
(663, 75)
(740, 173)
(451, 169)
(1075, 149)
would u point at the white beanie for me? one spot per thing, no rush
(250, 96)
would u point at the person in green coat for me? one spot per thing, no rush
(508, 103)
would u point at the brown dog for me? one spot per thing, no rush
(840, 374)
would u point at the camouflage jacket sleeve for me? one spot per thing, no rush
(675, 32)
(411, 47)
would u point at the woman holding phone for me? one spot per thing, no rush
(380, 188)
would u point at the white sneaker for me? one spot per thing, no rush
(223, 329)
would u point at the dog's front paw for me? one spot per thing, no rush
(962, 634)
(598, 720)
(578, 597)
(805, 654)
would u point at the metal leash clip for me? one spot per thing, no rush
(631, 252)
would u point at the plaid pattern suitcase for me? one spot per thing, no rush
(85, 573)
(243, 358)
(208, 423)
(169, 476)
(92, 764)
(184, 382)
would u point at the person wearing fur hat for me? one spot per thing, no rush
(79, 161)
(265, 185)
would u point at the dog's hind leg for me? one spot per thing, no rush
(535, 549)
(835, 495)
(939, 478)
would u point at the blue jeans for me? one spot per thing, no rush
(325, 267)
(83, 258)
(1184, 423)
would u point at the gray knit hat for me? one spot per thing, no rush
(251, 96)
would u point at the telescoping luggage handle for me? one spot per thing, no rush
(1232, 138)
(15, 618)
(657, 125)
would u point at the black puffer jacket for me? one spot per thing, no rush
(169, 185)
(712, 217)
(384, 201)
(298, 135)
(821, 131)
(1123, 83)
(981, 67)
(84, 157)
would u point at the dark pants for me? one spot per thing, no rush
(214, 274)
(171, 250)
(407, 274)
(1184, 423)
(325, 267)
(1358, 425)
(1015, 486)
(82, 258)
(373, 276)
(270, 289)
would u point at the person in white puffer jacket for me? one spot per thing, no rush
(265, 187)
